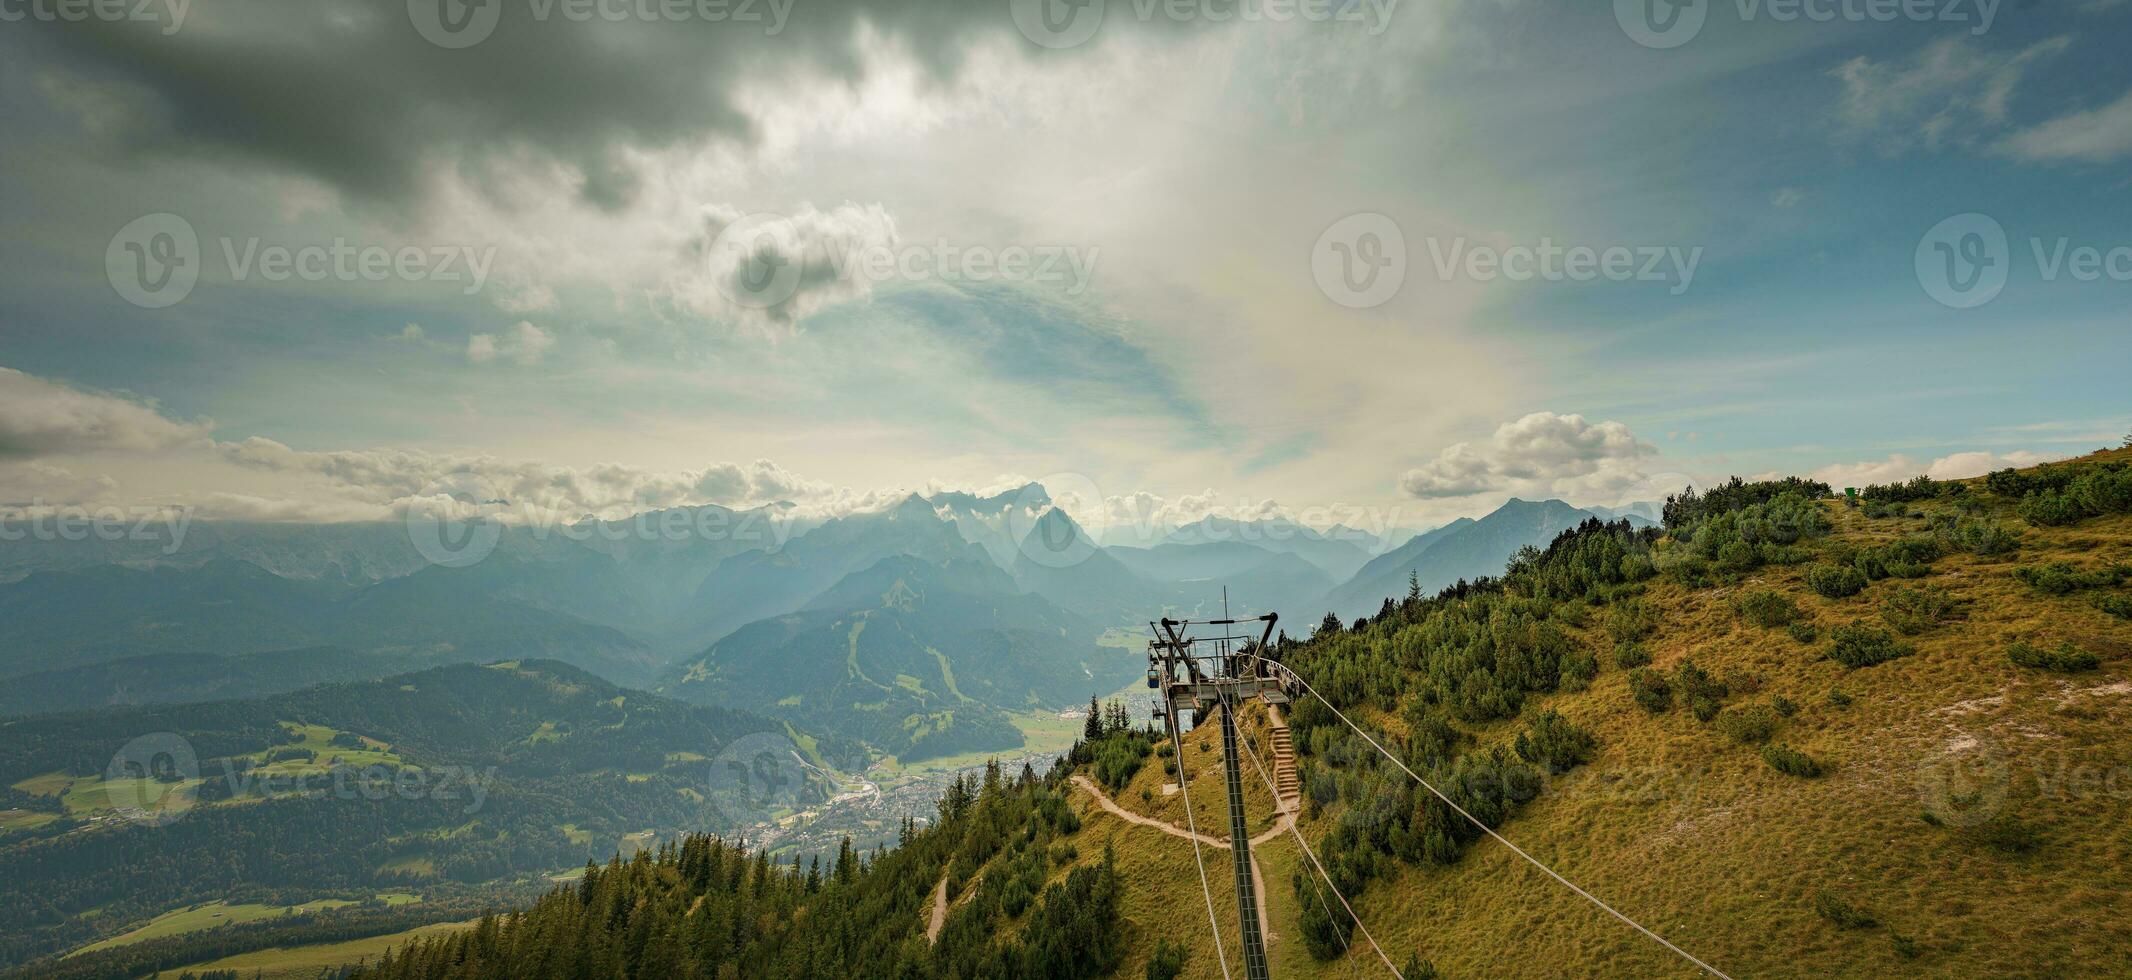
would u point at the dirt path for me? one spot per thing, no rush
(1258, 879)
(1103, 800)
(940, 911)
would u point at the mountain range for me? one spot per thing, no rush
(938, 618)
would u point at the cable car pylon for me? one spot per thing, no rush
(1200, 683)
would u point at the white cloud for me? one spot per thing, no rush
(1952, 92)
(1787, 197)
(1899, 467)
(2094, 136)
(31, 483)
(524, 343)
(1542, 451)
(769, 271)
(47, 418)
(544, 491)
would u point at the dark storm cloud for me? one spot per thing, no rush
(353, 94)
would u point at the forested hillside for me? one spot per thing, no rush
(449, 783)
(1891, 734)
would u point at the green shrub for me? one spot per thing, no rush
(2119, 606)
(1688, 507)
(1167, 963)
(1859, 645)
(2050, 509)
(1909, 558)
(1420, 969)
(1697, 682)
(1633, 619)
(1790, 761)
(1750, 724)
(1554, 744)
(1834, 581)
(1650, 690)
(1983, 538)
(2065, 578)
(1767, 608)
(1920, 488)
(1842, 913)
(1117, 757)
(1579, 667)
(1880, 510)
(1839, 699)
(1906, 947)
(1784, 707)
(1629, 654)
(1913, 611)
(2067, 658)
(2103, 491)
(2015, 484)
(1803, 631)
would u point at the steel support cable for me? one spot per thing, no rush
(1329, 886)
(1519, 851)
(1184, 785)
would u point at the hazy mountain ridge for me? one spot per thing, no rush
(1464, 549)
(915, 658)
(631, 598)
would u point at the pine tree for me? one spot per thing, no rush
(1093, 729)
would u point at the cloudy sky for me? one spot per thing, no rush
(307, 260)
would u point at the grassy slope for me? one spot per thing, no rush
(305, 962)
(1693, 835)
(208, 916)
